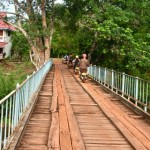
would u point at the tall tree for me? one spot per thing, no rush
(116, 31)
(35, 19)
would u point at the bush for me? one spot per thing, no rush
(7, 85)
(12, 73)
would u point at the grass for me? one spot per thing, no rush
(12, 73)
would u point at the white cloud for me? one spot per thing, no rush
(59, 1)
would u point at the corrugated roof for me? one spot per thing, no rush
(5, 25)
(2, 44)
(3, 14)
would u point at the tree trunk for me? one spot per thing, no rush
(51, 25)
(40, 46)
(94, 45)
(47, 50)
(46, 38)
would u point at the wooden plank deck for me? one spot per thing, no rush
(71, 115)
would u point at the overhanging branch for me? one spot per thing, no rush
(19, 15)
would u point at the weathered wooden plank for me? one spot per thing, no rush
(35, 135)
(92, 120)
(65, 139)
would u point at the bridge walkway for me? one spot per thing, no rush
(71, 115)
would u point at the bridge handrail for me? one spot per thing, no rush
(133, 89)
(14, 104)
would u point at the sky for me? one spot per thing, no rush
(59, 1)
(11, 7)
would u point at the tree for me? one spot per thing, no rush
(20, 47)
(116, 32)
(35, 19)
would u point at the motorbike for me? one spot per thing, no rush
(83, 75)
(64, 61)
(69, 64)
(77, 70)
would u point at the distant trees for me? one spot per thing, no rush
(115, 32)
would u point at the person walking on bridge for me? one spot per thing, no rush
(76, 62)
(84, 63)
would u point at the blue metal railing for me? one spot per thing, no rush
(131, 88)
(13, 106)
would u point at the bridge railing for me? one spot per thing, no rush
(13, 106)
(131, 88)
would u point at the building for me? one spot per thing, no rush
(5, 37)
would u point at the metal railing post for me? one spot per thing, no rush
(91, 70)
(136, 90)
(112, 80)
(95, 72)
(92, 74)
(5, 125)
(123, 81)
(99, 74)
(105, 76)
(1, 127)
(145, 107)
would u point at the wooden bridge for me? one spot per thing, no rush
(71, 115)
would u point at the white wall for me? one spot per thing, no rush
(7, 48)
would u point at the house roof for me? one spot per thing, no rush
(3, 14)
(5, 25)
(2, 44)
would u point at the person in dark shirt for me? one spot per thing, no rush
(76, 62)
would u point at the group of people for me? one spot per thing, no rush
(81, 62)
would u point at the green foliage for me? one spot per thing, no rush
(116, 32)
(11, 74)
(20, 47)
(7, 84)
(62, 44)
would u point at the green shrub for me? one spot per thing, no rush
(12, 73)
(7, 84)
